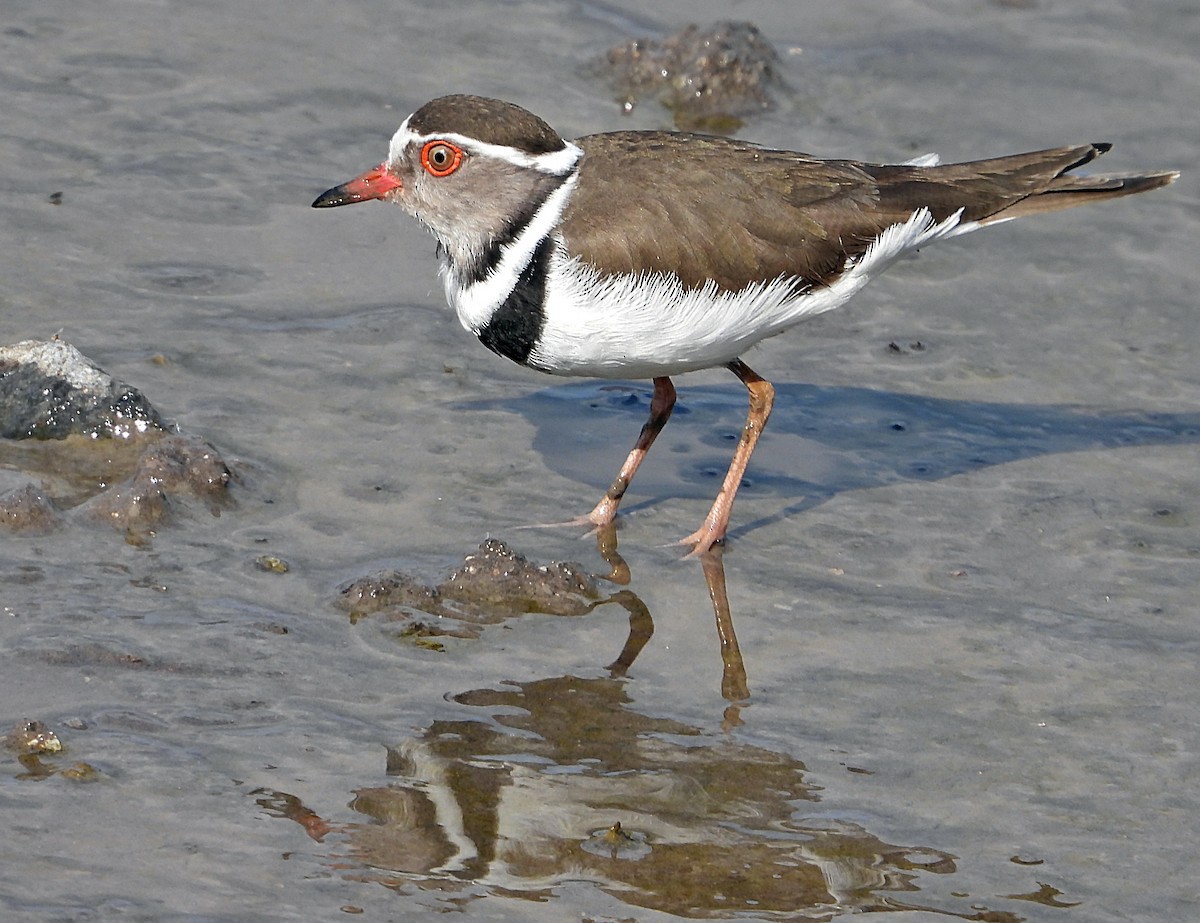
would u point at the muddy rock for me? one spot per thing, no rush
(50, 390)
(710, 77)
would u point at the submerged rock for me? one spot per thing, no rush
(31, 740)
(50, 390)
(172, 469)
(711, 77)
(28, 509)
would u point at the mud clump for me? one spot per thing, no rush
(498, 578)
(493, 584)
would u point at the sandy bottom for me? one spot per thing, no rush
(962, 577)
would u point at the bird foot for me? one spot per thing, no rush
(702, 541)
(564, 524)
(606, 543)
(586, 521)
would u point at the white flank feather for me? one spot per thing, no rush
(924, 160)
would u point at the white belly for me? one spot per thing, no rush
(647, 326)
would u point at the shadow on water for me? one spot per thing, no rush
(559, 781)
(821, 441)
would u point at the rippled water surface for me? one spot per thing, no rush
(951, 667)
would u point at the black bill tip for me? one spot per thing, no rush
(338, 195)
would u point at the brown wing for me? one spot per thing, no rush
(711, 208)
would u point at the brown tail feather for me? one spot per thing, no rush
(1069, 191)
(1061, 189)
(1002, 188)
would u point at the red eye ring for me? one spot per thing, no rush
(441, 158)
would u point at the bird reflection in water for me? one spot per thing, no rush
(555, 781)
(734, 687)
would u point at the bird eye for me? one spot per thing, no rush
(441, 158)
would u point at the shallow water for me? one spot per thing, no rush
(962, 577)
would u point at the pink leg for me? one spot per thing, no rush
(660, 411)
(762, 397)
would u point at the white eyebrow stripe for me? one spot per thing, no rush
(554, 163)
